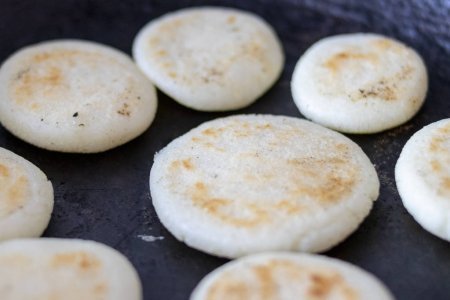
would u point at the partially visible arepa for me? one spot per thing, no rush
(422, 175)
(288, 276)
(210, 58)
(65, 269)
(253, 183)
(359, 83)
(26, 198)
(74, 96)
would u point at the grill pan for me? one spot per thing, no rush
(105, 197)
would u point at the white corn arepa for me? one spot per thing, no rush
(26, 198)
(359, 83)
(210, 59)
(285, 276)
(253, 183)
(74, 96)
(68, 269)
(422, 174)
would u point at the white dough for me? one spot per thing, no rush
(210, 59)
(26, 198)
(74, 96)
(65, 269)
(288, 276)
(422, 175)
(359, 83)
(253, 183)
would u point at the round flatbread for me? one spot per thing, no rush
(74, 96)
(210, 59)
(65, 269)
(422, 175)
(290, 276)
(359, 83)
(253, 183)
(26, 198)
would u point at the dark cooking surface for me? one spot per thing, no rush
(105, 197)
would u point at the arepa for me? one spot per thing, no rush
(359, 83)
(65, 269)
(74, 96)
(26, 198)
(252, 183)
(422, 174)
(289, 276)
(210, 59)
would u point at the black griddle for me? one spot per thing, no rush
(105, 197)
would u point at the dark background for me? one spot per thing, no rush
(105, 197)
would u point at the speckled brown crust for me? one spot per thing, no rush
(181, 54)
(251, 175)
(283, 276)
(65, 269)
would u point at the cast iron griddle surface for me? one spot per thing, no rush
(105, 197)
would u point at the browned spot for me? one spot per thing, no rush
(100, 288)
(16, 194)
(124, 110)
(329, 185)
(436, 166)
(336, 62)
(154, 41)
(436, 143)
(381, 89)
(323, 285)
(81, 260)
(405, 72)
(229, 288)
(187, 164)
(289, 207)
(264, 126)
(32, 82)
(444, 188)
(255, 50)
(201, 197)
(210, 132)
(4, 171)
(172, 74)
(161, 53)
(231, 19)
(266, 282)
(445, 129)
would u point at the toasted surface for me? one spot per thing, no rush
(359, 83)
(210, 59)
(287, 276)
(66, 269)
(252, 183)
(422, 175)
(74, 96)
(26, 197)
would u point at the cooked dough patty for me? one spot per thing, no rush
(26, 198)
(65, 269)
(210, 59)
(289, 276)
(74, 96)
(252, 183)
(422, 175)
(359, 83)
